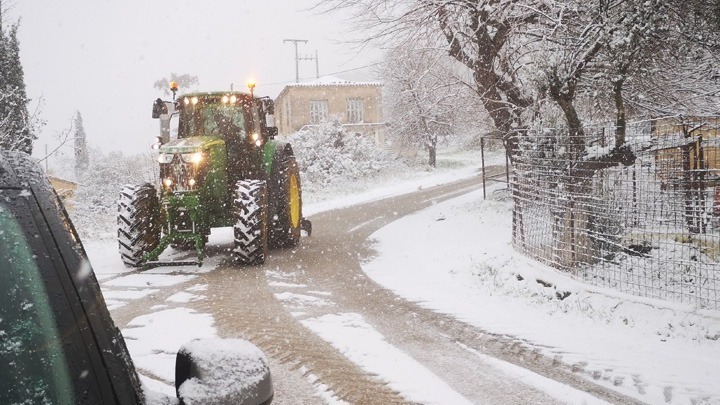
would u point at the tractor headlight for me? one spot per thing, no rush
(168, 182)
(165, 157)
(233, 99)
(225, 99)
(191, 182)
(195, 158)
(255, 138)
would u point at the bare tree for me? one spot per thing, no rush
(182, 80)
(423, 96)
(479, 34)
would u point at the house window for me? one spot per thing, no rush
(354, 110)
(318, 111)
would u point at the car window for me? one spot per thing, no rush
(34, 367)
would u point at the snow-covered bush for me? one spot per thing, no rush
(95, 204)
(330, 155)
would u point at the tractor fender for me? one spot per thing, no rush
(283, 150)
(274, 153)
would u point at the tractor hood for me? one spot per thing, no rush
(191, 144)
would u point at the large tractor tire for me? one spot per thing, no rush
(287, 213)
(138, 222)
(250, 229)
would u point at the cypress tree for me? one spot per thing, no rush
(82, 158)
(15, 131)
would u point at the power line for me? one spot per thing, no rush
(333, 73)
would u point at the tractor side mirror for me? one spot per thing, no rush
(272, 132)
(222, 371)
(269, 106)
(159, 108)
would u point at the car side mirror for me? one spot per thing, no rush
(222, 371)
(159, 108)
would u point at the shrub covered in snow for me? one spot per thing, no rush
(95, 204)
(329, 155)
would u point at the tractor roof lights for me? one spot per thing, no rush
(173, 88)
(251, 86)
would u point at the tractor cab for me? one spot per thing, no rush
(238, 119)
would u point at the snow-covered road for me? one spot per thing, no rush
(453, 258)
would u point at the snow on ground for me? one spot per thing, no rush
(154, 339)
(656, 351)
(363, 345)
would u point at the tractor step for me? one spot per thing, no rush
(160, 263)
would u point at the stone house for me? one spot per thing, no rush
(357, 105)
(65, 189)
(690, 144)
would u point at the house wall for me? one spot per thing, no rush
(671, 160)
(292, 107)
(66, 190)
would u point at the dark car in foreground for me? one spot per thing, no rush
(58, 343)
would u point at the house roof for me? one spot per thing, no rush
(328, 81)
(62, 180)
(332, 81)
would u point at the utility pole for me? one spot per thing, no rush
(297, 58)
(317, 64)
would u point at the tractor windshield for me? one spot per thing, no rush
(211, 119)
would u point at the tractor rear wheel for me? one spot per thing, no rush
(285, 229)
(250, 227)
(138, 223)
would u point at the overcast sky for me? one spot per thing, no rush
(101, 57)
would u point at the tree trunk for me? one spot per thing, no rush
(620, 123)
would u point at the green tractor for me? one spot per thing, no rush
(224, 168)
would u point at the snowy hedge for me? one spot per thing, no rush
(329, 155)
(95, 205)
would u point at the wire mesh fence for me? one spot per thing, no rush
(643, 218)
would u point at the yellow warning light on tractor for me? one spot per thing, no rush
(251, 86)
(173, 86)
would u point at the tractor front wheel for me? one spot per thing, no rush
(138, 223)
(250, 229)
